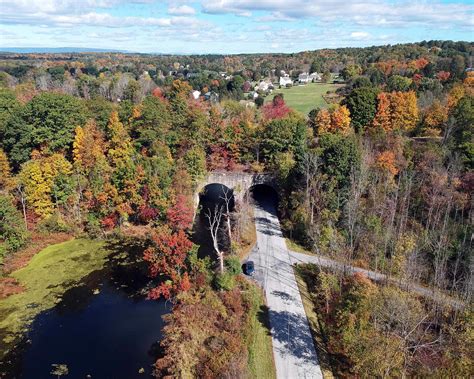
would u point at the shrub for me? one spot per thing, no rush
(53, 223)
(13, 233)
(233, 266)
(225, 281)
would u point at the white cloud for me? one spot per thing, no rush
(183, 10)
(383, 13)
(360, 35)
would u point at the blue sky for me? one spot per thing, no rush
(225, 26)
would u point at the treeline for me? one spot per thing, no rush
(122, 76)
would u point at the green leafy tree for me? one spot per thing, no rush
(463, 134)
(340, 154)
(282, 135)
(48, 122)
(13, 233)
(362, 105)
(152, 123)
(398, 83)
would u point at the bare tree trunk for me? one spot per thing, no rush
(23, 203)
(214, 220)
(227, 198)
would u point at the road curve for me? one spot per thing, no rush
(293, 348)
(435, 295)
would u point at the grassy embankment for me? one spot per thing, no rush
(48, 275)
(307, 97)
(316, 329)
(259, 340)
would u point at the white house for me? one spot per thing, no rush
(303, 78)
(196, 94)
(264, 85)
(284, 80)
(315, 77)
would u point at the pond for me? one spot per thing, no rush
(104, 327)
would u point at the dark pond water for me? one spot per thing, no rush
(104, 327)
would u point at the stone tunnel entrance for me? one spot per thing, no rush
(263, 195)
(212, 195)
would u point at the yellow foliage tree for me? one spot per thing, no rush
(88, 147)
(436, 116)
(323, 121)
(456, 94)
(404, 110)
(341, 119)
(120, 146)
(382, 118)
(396, 111)
(387, 162)
(337, 120)
(38, 178)
(6, 180)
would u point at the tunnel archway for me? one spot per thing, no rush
(215, 194)
(212, 195)
(263, 195)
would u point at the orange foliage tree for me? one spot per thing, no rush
(396, 111)
(337, 120)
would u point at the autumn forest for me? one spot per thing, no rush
(102, 160)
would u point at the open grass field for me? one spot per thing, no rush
(307, 97)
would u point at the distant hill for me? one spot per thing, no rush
(50, 50)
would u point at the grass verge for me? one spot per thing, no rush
(249, 238)
(258, 337)
(316, 330)
(294, 246)
(48, 275)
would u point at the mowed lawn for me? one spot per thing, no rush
(306, 97)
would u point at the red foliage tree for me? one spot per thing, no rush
(443, 75)
(180, 215)
(276, 109)
(167, 260)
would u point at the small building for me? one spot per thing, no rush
(211, 96)
(264, 85)
(314, 77)
(284, 80)
(303, 78)
(196, 94)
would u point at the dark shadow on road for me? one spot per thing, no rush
(286, 328)
(284, 296)
(264, 318)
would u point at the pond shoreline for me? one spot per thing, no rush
(115, 285)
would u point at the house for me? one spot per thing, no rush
(264, 86)
(303, 78)
(253, 95)
(284, 80)
(196, 94)
(315, 77)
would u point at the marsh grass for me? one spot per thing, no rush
(49, 274)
